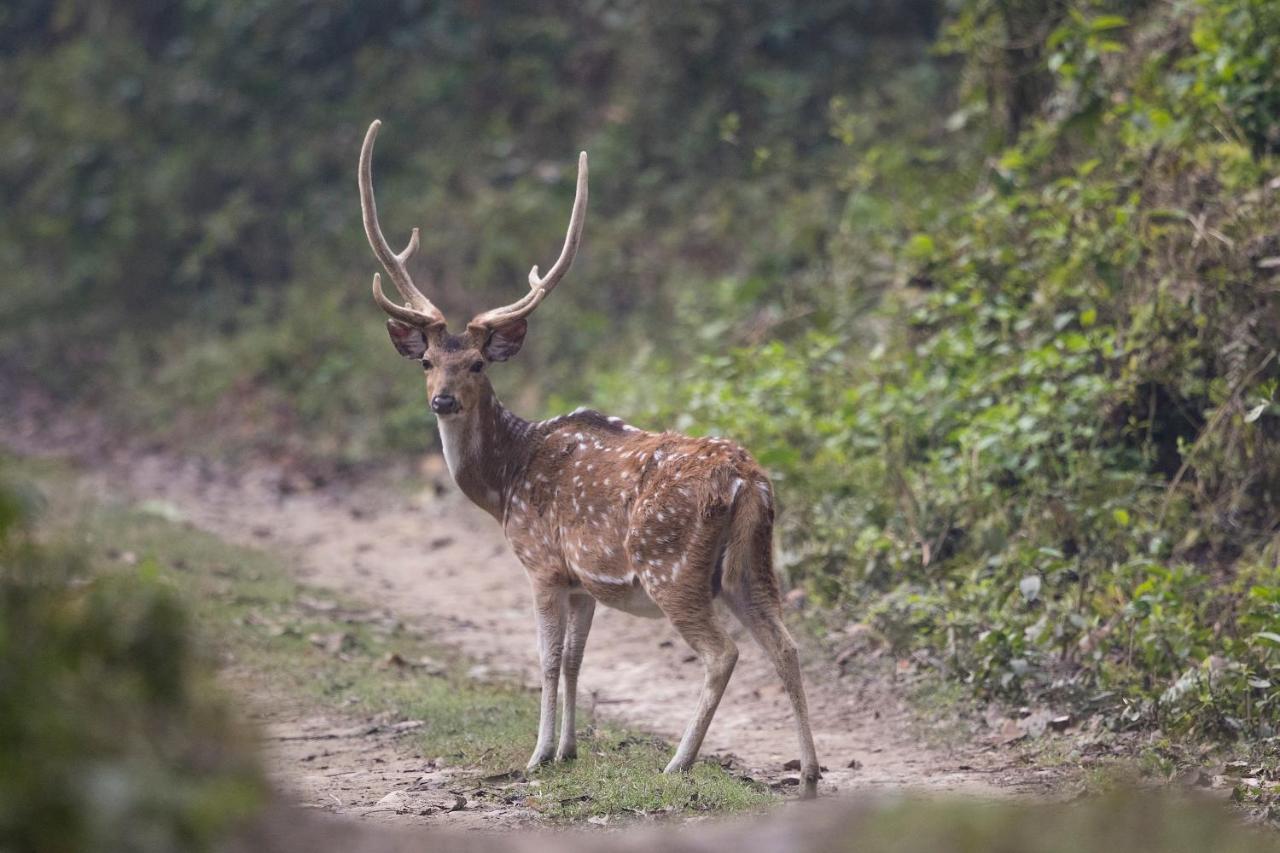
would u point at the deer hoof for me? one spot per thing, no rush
(569, 754)
(538, 759)
(678, 766)
(809, 791)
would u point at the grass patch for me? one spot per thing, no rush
(619, 773)
(348, 657)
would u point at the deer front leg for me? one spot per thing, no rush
(549, 610)
(581, 609)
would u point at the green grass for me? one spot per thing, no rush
(620, 773)
(243, 600)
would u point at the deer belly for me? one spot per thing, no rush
(623, 594)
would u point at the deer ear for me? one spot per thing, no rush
(505, 341)
(409, 340)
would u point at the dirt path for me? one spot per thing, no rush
(441, 565)
(366, 768)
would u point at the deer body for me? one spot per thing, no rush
(598, 511)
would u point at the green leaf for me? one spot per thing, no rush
(920, 247)
(1108, 22)
(1121, 517)
(1269, 636)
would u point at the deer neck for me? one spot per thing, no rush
(484, 448)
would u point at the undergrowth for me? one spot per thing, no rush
(1050, 460)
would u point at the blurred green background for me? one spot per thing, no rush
(180, 190)
(990, 286)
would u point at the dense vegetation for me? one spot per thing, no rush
(989, 286)
(1052, 459)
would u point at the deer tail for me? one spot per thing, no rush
(748, 554)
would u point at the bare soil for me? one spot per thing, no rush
(441, 566)
(366, 768)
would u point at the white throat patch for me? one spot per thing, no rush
(453, 437)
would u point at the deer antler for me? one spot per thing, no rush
(540, 286)
(418, 310)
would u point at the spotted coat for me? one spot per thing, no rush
(628, 516)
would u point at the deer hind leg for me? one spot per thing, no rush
(550, 605)
(581, 609)
(675, 561)
(698, 626)
(758, 606)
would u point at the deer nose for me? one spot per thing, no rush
(445, 404)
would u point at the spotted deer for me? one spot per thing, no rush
(597, 511)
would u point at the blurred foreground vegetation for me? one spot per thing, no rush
(989, 286)
(112, 736)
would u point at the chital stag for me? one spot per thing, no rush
(654, 524)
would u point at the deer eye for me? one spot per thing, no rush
(426, 364)
(477, 366)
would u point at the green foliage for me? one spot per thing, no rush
(1236, 68)
(1056, 467)
(110, 737)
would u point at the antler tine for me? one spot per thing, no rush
(401, 312)
(540, 286)
(572, 239)
(419, 310)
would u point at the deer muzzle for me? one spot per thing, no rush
(445, 404)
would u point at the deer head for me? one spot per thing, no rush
(455, 364)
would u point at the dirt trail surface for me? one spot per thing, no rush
(441, 566)
(366, 768)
